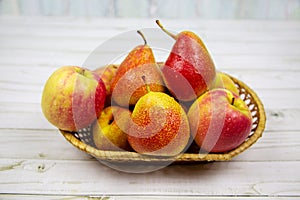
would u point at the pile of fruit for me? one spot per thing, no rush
(151, 108)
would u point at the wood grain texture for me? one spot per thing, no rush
(137, 197)
(37, 162)
(253, 178)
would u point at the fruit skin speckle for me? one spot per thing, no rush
(128, 85)
(195, 69)
(160, 126)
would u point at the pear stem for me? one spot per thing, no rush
(147, 86)
(164, 30)
(80, 71)
(141, 34)
(232, 101)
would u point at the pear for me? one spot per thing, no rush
(127, 85)
(159, 126)
(109, 130)
(107, 73)
(224, 81)
(189, 70)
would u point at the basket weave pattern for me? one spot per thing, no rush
(83, 139)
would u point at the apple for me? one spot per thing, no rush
(107, 73)
(224, 81)
(73, 98)
(219, 120)
(107, 134)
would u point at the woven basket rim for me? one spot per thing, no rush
(129, 157)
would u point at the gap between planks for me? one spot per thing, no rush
(90, 177)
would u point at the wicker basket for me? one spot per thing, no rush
(83, 139)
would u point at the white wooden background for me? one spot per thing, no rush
(36, 162)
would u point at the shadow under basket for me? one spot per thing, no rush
(83, 139)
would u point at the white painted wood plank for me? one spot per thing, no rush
(273, 146)
(139, 197)
(37, 144)
(155, 39)
(24, 120)
(125, 23)
(51, 145)
(258, 62)
(57, 58)
(267, 79)
(106, 27)
(281, 98)
(209, 33)
(92, 178)
(46, 197)
(41, 59)
(282, 119)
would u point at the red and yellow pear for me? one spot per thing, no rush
(109, 130)
(107, 73)
(224, 81)
(189, 71)
(127, 85)
(159, 126)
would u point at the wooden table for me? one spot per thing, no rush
(36, 162)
